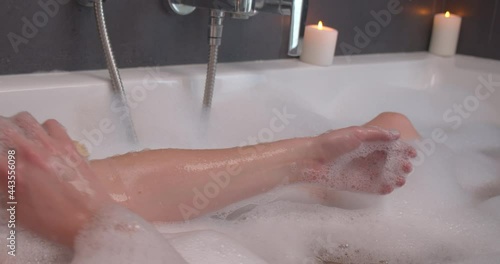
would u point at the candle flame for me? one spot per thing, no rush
(320, 25)
(447, 14)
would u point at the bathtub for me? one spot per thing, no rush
(458, 96)
(165, 101)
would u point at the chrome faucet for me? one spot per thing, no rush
(241, 9)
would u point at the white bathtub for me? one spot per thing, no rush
(166, 102)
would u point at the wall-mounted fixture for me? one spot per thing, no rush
(241, 9)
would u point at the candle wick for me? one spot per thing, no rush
(320, 25)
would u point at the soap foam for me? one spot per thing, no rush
(431, 220)
(116, 235)
(439, 216)
(209, 247)
(375, 167)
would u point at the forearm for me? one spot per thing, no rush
(173, 184)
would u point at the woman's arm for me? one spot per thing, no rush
(59, 193)
(174, 184)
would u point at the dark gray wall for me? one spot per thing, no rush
(408, 30)
(480, 32)
(144, 34)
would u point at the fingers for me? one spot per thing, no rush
(411, 152)
(406, 150)
(56, 130)
(373, 133)
(386, 189)
(32, 129)
(11, 136)
(407, 167)
(74, 153)
(406, 153)
(7, 128)
(401, 167)
(400, 181)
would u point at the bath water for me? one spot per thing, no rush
(448, 211)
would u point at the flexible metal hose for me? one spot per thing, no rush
(215, 35)
(211, 73)
(114, 73)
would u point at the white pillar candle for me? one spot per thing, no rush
(319, 45)
(445, 33)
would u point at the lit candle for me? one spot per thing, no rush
(319, 45)
(445, 33)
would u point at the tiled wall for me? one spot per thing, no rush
(143, 33)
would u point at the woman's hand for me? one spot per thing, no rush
(363, 159)
(56, 191)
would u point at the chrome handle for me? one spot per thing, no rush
(296, 9)
(296, 21)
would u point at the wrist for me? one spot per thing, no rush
(309, 157)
